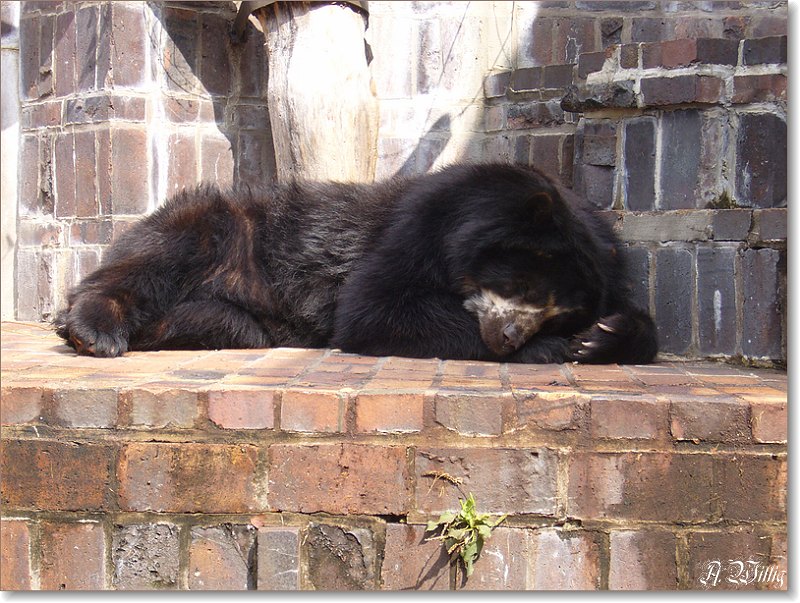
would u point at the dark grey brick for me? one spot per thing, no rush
(638, 263)
(544, 153)
(613, 5)
(731, 224)
(522, 149)
(652, 29)
(611, 30)
(495, 85)
(29, 42)
(761, 311)
(145, 556)
(528, 115)
(598, 185)
(764, 50)
(770, 225)
(279, 558)
(673, 299)
(341, 558)
(589, 62)
(557, 76)
(529, 78)
(717, 51)
(680, 158)
(761, 160)
(640, 164)
(600, 143)
(716, 299)
(86, 49)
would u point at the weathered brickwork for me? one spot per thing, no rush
(640, 106)
(599, 468)
(311, 469)
(677, 121)
(122, 104)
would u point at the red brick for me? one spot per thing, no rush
(779, 556)
(85, 165)
(64, 171)
(15, 544)
(64, 57)
(710, 89)
(681, 89)
(553, 410)
(411, 562)
(105, 185)
(72, 556)
(389, 412)
(759, 88)
(158, 407)
(220, 556)
(311, 411)
(339, 478)
(128, 51)
(21, 405)
(751, 487)
(710, 420)
(279, 558)
(711, 555)
(54, 476)
(641, 486)
(770, 422)
(503, 562)
(629, 417)
(642, 560)
(504, 480)
(241, 409)
(471, 414)
(678, 53)
(130, 179)
(182, 167)
(44, 115)
(189, 478)
(564, 561)
(85, 407)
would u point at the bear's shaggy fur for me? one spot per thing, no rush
(483, 262)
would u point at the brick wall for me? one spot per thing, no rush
(673, 120)
(123, 103)
(288, 469)
(682, 140)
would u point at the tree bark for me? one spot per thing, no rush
(323, 109)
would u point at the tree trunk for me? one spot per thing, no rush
(322, 106)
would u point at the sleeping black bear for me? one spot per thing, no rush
(482, 262)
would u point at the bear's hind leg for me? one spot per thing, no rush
(202, 325)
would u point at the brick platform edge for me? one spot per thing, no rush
(300, 469)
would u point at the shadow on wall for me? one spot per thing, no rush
(202, 65)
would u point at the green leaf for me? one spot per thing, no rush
(446, 517)
(457, 534)
(484, 530)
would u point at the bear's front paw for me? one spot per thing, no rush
(601, 343)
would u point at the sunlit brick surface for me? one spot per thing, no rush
(193, 469)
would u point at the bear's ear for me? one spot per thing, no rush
(542, 207)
